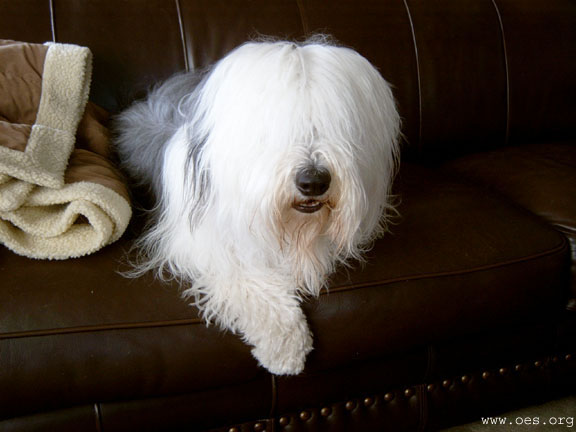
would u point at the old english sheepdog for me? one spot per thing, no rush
(268, 169)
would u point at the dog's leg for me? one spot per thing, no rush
(268, 316)
(283, 342)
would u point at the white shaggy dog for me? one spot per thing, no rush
(269, 169)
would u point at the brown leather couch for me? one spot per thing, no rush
(462, 311)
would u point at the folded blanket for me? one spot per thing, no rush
(60, 196)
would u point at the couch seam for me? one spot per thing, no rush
(303, 20)
(422, 389)
(562, 246)
(274, 399)
(182, 36)
(98, 417)
(418, 78)
(422, 397)
(100, 328)
(506, 70)
(52, 20)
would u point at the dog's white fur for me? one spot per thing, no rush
(221, 150)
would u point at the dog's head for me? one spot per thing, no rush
(296, 145)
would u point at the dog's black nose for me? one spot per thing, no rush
(312, 181)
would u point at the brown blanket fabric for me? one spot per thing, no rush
(60, 195)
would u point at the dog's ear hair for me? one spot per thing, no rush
(200, 181)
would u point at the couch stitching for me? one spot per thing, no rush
(559, 248)
(182, 36)
(303, 20)
(505, 52)
(98, 417)
(418, 79)
(52, 20)
(98, 328)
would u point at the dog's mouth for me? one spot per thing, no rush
(308, 206)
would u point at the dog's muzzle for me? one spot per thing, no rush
(312, 183)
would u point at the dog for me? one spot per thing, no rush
(269, 169)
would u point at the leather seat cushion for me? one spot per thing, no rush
(459, 260)
(539, 177)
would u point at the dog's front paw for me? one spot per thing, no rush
(284, 353)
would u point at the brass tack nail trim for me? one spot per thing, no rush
(305, 415)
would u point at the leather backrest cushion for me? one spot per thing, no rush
(467, 75)
(540, 39)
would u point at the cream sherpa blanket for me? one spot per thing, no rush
(60, 197)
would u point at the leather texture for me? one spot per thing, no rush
(538, 36)
(541, 178)
(459, 312)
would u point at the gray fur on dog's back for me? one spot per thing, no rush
(144, 128)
